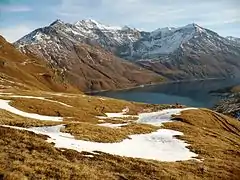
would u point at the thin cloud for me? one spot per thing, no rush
(14, 8)
(221, 16)
(14, 33)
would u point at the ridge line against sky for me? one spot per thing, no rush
(20, 17)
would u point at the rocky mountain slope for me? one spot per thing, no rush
(89, 67)
(42, 128)
(230, 104)
(234, 39)
(187, 52)
(22, 71)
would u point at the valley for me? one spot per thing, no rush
(159, 126)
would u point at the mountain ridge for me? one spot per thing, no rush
(188, 52)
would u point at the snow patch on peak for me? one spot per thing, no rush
(58, 21)
(195, 27)
(163, 31)
(91, 24)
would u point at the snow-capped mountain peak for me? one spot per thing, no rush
(194, 27)
(91, 24)
(163, 31)
(58, 21)
(125, 41)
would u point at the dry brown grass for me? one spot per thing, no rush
(213, 136)
(235, 89)
(91, 132)
(33, 75)
(27, 155)
(84, 108)
(7, 118)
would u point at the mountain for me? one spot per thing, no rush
(189, 52)
(21, 71)
(91, 137)
(90, 67)
(234, 39)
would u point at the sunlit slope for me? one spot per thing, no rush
(27, 72)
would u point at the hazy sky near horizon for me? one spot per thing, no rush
(19, 17)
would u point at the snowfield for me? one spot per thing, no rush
(39, 98)
(160, 145)
(4, 104)
(113, 125)
(157, 118)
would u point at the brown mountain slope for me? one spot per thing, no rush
(88, 66)
(27, 72)
(92, 68)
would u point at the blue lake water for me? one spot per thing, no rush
(194, 93)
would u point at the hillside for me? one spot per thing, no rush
(51, 130)
(28, 72)
(230, 105)
(188, 52)
(27, 152)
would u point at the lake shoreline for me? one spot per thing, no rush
(192, 93)
(151, 84)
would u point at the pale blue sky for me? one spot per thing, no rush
(19, 17)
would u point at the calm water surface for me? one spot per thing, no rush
(195, 93)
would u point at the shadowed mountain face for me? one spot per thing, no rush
(88, 67)
(22, 71)
(189, 52)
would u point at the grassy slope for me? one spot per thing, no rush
(82, 113)
(235, 89)
(213, 136)
(28, 72)
(24, 155)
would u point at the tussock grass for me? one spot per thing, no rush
(213, 136)
(25, 155)
(7, 118)
(91, 132)
(235, 89)
(84, 108)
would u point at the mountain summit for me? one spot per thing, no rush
(88, 66)
(188, 52)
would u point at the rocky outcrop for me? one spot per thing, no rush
(230, 105)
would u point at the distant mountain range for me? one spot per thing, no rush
(189, 52)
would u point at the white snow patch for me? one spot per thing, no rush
(113, 125)
(160, 145)
(4, 104)
(39, 98)
(157, 118)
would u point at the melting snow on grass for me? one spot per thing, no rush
(157, 118)
(160, 145)
(117, 115)
(4, 104)
(113, 125)
(39, 98)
